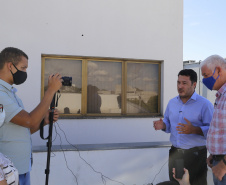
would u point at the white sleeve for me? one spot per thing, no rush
(1, 175)
(9, 174)
(8, 171)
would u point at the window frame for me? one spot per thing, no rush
(124, 62)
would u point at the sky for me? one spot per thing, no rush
(204, 29)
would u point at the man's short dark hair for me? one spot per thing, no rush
(189, 72)
(168, 183)
(11, 54)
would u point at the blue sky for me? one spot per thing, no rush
(204, 29)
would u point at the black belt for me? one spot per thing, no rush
(218, 157)
(194, 149)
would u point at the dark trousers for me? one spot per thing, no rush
(194, 161)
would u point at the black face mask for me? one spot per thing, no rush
(19, 77)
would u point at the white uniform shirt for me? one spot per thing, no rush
(8, 171)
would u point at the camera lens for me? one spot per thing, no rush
(67, 81)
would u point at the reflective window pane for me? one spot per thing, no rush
(111, 87)
(142, 88)
(70, 99)
(104, 87)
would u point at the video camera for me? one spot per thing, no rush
(67, 81)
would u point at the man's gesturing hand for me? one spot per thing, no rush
(159, 125)
(185, 128)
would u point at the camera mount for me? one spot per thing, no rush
(67, 81)
(49, 143)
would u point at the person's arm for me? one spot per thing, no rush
(209, 161)
(220, 169)
(159, 125)
(166, 119)
(207, 114)
(2, 175)
(33, 119)
(3, 182)
(185, 178)
(164, 124)
(46, 120)
(188, 128)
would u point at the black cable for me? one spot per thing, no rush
(55, 135)
(159, 172)
(65, 156)
(102, 176)
(53, 154)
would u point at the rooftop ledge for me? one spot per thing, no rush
(108, 146)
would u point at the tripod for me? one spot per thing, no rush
(49, 143)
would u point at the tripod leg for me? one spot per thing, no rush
(49, 143)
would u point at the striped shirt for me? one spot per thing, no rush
(8, 171)
(216, 137)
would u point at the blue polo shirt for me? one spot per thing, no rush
(15, 140)
(198, 110)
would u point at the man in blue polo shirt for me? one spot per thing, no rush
(187, 118)
(15, 133)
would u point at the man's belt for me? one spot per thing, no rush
(194, 149)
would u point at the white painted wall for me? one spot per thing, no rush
(147, 29)
(129, 167)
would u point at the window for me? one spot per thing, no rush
(105, 86)
(142, 94)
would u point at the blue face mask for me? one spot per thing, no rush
(210, 81)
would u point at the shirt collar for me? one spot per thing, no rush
(221, 91)
(193, 97)
(8, 86)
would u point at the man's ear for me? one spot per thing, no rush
(219, 70)
(9, 65)
(194, 84)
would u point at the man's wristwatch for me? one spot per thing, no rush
(224, 161)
